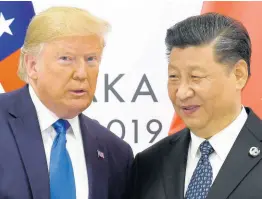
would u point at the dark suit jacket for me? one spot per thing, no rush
(159, 172)
(23, 166)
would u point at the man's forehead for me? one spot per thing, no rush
(194, 56)
(78, 41)
(189, 67)
(194, 51)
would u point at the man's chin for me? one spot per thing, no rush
(193, 123)
(74, 110)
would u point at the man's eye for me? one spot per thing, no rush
(195, 77)
(65, 58)
(92, 58)
(173, 76)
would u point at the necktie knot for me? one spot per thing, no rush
(61, 126)
(206, 149)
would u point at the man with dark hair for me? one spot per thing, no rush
(218, 155)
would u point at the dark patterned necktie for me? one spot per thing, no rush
(202, 177)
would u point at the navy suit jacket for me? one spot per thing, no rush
(23, 166)
(159, 171)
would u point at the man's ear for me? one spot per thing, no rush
(31, 66)
(241, 74)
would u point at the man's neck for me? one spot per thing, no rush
(216, 126)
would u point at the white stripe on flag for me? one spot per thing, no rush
(1, 89)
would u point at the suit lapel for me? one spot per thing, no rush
(238, 163)
(97, 166)
(24, 124)
(174, 165)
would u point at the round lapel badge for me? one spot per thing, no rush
(254, 151)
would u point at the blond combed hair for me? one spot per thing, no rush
(57, 22)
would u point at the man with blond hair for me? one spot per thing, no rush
(48, 148)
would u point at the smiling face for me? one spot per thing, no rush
(204, 93)
(64, 75)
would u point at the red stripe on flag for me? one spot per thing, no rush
(176, 125)
(8, 72)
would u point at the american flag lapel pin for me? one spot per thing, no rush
(100, 154)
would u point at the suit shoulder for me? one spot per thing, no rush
(162, 144)
(7, 98)
(105, 135)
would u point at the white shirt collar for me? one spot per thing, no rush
(46, 118)
(223, 141)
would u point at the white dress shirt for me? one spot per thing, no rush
(222, 143)
(74, 143)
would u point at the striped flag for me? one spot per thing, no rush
(250, 14)
(15, 17)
